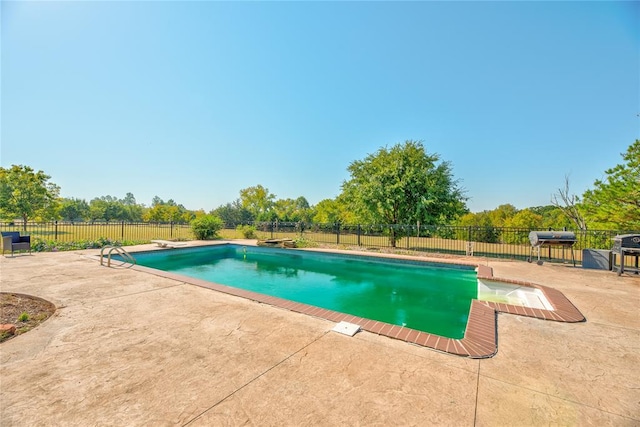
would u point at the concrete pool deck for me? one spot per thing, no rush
(129, 348)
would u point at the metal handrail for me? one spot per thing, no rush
(129, 260)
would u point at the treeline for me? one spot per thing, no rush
(402, 184)
(110, 208)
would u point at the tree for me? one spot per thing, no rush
(25, 193)
(168, 211)
(569, 204)
(233, 213)
(552, 217)
(73, 209)
(480, 228)
(525, 220)
(107, 208)
(327, 211)
(403, 185)
(615, 201)
(258, 201)
(292, 210)
(501, 214)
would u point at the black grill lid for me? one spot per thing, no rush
(627, 241)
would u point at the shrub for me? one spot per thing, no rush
(248, 231)
(206, 227)
(23, 317)
(303, 242)
(42, 245)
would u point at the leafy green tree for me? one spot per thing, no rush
(25, 193)
(501, 214)
(525, 221)
(403, 185)
(132, 211)
(156, 201)
(233, 213)
(156, 213)
(480, 228)
(107, 208)
(553, 217)
(168, 211)
(327, 211)
(615, 201)
(259, 201)
(292, 210)
(73, 209)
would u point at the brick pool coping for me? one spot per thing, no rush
(480, 338)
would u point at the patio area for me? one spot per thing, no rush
(130, 348)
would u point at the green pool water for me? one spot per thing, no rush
(433, 298)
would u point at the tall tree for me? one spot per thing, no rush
(292, 210)
(501, 214)
(615, 201)
(73, 209)
(480, 227)
(233, 213)
(327, 211)
(403, 185)
(525, 220)
(168, 211)
(25, 193)
(259, 201)
(569, 204)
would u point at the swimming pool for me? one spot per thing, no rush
(429, 297)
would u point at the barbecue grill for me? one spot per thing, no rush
(564, 239)
(626, 245)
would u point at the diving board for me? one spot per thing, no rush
(168, 243)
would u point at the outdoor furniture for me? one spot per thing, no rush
(625, 245)
(12, 240)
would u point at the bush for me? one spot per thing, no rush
(42, 245)
(206, 227)
(303, 242)
(248, 231)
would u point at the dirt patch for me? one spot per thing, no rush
(24, 311)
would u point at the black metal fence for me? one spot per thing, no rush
(500, 242)
(63, 231)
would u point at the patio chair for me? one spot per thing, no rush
(12, 240)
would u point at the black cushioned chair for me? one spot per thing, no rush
(12, 240)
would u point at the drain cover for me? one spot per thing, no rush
(346, 328)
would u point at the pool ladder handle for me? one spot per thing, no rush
(128, 258)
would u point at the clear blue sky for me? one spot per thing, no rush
(196, 100)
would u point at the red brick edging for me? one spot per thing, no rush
(480, 338)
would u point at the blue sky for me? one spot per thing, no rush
(195, 101)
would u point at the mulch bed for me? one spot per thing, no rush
(12, 312)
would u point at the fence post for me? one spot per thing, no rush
(55, 233)
(359, 231)
(407, 235)
(122, 233)
(171, 229)
(338, 233)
